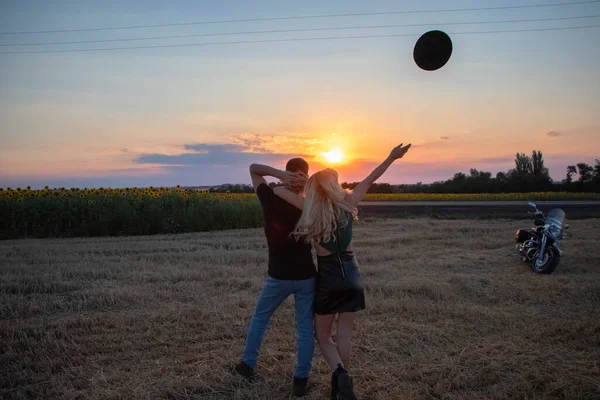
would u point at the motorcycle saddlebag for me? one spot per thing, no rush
(522, 235)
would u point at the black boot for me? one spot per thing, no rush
(244, 370)
(345, 384)
(335, 389)
(300, 387)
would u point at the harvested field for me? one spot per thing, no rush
(451, 314)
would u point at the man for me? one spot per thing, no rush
(291, 271)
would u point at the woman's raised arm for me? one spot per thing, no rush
(361, 190)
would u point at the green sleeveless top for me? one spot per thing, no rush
(341, 237)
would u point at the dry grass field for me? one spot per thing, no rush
(451, 314)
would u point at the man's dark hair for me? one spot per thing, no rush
(297, 164)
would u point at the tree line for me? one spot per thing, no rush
(528, 175)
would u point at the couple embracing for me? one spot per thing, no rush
(302, 214)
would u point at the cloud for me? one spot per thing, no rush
(497, 160)
(430, 145)
(253, 142)
(440, 142)
(214, 148)
(225, 158)
(242, 149)
(223, 154)
(581, 132)
(276, 143)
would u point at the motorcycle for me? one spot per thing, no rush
(540, 245)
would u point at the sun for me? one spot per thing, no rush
(334, 156)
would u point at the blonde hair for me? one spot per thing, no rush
(325, 206)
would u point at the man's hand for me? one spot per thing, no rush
(294, 180)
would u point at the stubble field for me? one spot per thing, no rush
(451, 314)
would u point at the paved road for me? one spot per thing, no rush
(476, 209)
(479, 203)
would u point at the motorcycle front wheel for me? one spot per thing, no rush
(546, 263)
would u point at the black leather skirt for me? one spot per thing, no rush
(339, 285)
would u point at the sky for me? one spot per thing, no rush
(199, 115)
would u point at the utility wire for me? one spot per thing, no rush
(293, 40)
(298, 30)
(306, 17)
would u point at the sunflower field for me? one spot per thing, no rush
(114, 212)
(145, 211)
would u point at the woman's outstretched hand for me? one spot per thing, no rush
(399, 151)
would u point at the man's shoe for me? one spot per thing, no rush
(345, 384)
(244, 370)
(335, 389)
(300, 387)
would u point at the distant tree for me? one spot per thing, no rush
(501, 182)
(380, 188)
(439, 187)
(571, 170)
(478, 181)
(459, 177)
(231, 188)
(480, 175)
(458, 184)
(585, 172)
(537, 163)
(541, 175)
(523, 164)
(402, 189)
(596, 175)
(529, 174)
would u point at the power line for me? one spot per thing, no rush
(306, 17)
(298, 30)
(293, 40)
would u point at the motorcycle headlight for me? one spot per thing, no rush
(554, 231)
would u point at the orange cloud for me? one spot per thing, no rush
(291, 143)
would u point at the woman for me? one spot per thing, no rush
(326, 222)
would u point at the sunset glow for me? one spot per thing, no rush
(334, 156)
(187, 114)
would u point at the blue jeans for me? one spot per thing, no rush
(272, 295)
